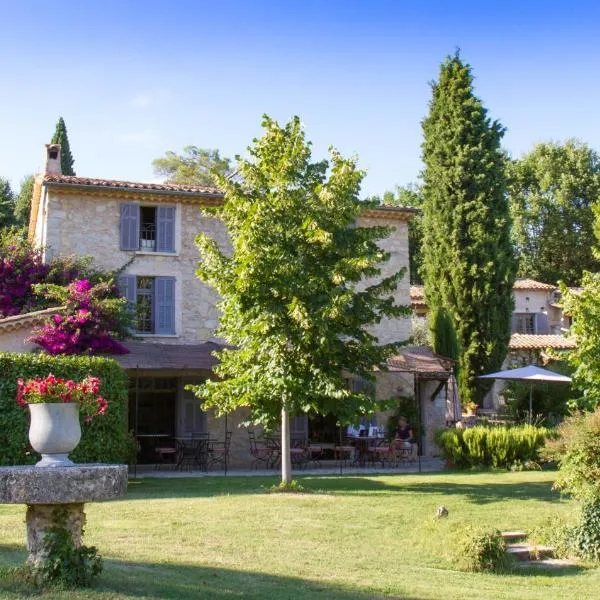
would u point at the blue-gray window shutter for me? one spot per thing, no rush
(164, 302)
(130, 226)
(514, 323)
(127, 287)
(165, 229)
(541, 324)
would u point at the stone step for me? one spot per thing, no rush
(524, 552)
(548, 563)
(513, 536)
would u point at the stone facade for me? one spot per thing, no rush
(82, 217)
(88, 225)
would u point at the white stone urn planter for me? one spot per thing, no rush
(54, 431)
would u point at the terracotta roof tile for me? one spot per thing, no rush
(421, 360)
(70, 180)
(520, 341)
(149, 355)
(532, 284)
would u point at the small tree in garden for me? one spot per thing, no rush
(292, 307)
(95, 318)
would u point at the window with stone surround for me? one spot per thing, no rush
(152, 299)
(145, 228)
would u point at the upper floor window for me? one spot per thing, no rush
(530, 323)
(147, 228)
(153, 300)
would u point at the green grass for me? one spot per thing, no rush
(353, 538)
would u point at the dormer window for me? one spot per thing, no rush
(147, 228)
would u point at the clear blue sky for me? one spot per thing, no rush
(134, 78)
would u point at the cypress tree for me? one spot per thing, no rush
(468, 261)
(443, 334)
(60, 137)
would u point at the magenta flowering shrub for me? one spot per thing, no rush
(21, 267)
(94, 320)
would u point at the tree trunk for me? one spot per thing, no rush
(286, 459)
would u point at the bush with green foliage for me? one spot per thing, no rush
(577, 452)
(480, 550)
(103, 440)
(498, 447)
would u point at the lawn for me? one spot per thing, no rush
(354, 538)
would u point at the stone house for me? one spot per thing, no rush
(147, 231)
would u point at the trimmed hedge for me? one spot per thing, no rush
(106, 439)
(492, 446)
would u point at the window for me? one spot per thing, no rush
(524, 323)
(147, 228)
(530, 323)
(153, 300)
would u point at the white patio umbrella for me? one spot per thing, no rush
(530, 374)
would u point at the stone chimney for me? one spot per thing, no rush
(52, 160)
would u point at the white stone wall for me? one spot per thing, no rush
(393, 330)
(14, 340)
(89, 225)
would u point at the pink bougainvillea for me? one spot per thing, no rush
(56, 389)
(20, 269)
(92, 318)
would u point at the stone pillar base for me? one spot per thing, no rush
(41, 517)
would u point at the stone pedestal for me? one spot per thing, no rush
(44, 490)
(40, 517)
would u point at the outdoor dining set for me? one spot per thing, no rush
(200, 451)
(360, 450)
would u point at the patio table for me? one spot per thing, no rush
(192, 449)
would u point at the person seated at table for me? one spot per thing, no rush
(404, 432)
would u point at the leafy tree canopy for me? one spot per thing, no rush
(23, 202)
(60, 137)
(468, 263)
(7, 204)
(294, 303)
(195, 166)
(551, 191)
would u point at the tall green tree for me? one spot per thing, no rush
(23, 202)
(551, 191)
(7, 204)
(293, 301)
(60, 137)
(468, 262)
(443, 334)
(195, 166)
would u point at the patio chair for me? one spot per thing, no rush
(345, 452)
(166, 454)
(381, 452)
(402, 452)
(299, 453)
(218, 452)
(191, 453)
(261, 451)
(316, 452)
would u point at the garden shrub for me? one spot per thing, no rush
(481, 550)
(105, 439)
(577, 452)
(498, 447)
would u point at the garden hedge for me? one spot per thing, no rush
(105, 439)
(500, 447)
